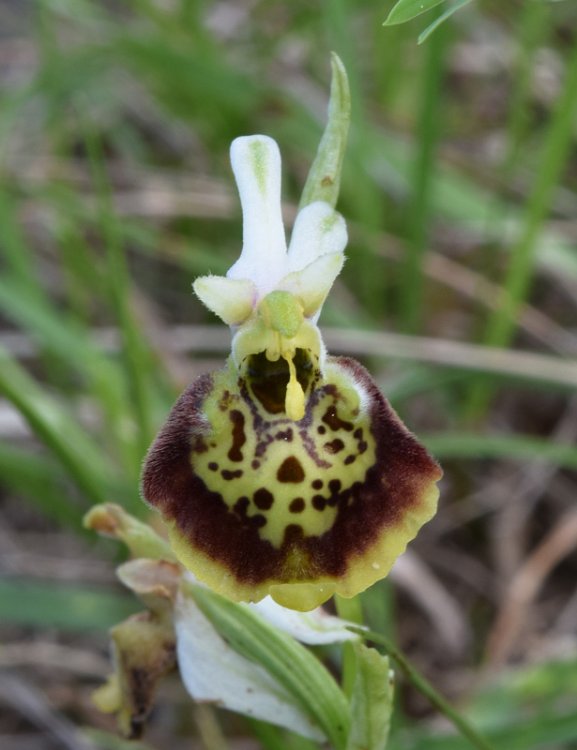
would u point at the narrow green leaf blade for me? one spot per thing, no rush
(405, 10)
(512, 447)
(371, 701)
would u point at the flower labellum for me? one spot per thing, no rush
(287, 473)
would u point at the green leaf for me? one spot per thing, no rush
(441, 19)
(405, 10)
(290, 664)
(371, 701)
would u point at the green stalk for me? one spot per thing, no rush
(419, 212)
(135, 358)
(426, 689)
(60, 434)
(362, 201)
(351, 610)
(558, 140)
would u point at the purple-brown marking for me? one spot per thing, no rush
(238, 435)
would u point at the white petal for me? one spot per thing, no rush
(231, 299)
(257, 169)
(312, 283)
(312, 627)
(213, 672)
(318, 230)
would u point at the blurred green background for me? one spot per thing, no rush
(460, 295)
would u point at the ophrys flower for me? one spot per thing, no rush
(287, 473)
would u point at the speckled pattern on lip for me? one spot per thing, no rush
(256, 501)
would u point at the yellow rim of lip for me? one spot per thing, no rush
(363, 570)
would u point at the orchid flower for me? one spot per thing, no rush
(287, 473)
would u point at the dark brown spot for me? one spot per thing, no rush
(241, 506)
(213, 466)
(358, 433)
(297, 505)
(319, 502)
(258, 521)
(335, 485)
(335, 446)
(225, 400)
(228, 475)
(321, 430)
(255, 464)
(317, 484)
(263, 499)
(363, 445)
(290, 471)
(349, 460)
(238, 436)
(334, 422)
(199, 445)
(286, 435)
(293, 533)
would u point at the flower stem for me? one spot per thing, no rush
(349, 609)
(425, 687)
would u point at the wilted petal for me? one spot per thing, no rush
(257, 503)
(213, 672)
(155, 582)
(257, 168)
(144, 652)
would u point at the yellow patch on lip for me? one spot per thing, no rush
(267, 468)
